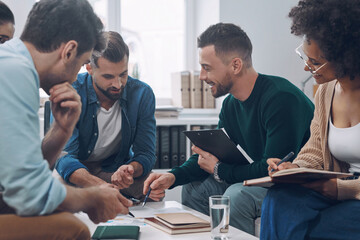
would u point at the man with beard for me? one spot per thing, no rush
(114, 139)
(265, 115)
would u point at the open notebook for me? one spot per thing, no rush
(295, 175)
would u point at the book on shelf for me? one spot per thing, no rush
(174, 146)
(182, 145)
(218, 143)
(208, 100)
(164, 147)
(167, 111)
(180, 89)
(295, 175)
(195, 90)
(178, 223)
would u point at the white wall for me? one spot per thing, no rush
(265, 22)
(268, 26)
(20, 9)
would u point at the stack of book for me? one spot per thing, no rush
(188, 91)
(167, 111)
(178, 223)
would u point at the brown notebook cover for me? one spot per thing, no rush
(178, 223)
(295, 175)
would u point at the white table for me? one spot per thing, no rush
(151, 233)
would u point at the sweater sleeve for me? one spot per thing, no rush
(144, 140)
(286, 119)
(311, 155)
(190, 170)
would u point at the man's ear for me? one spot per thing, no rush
(89, 68)
(69, 51)
(237, 65)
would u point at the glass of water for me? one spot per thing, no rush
(219, 215)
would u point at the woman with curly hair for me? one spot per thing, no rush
(324, 209)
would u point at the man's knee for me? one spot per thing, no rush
(192, 192)
(62, 225)
(238, 194)
(246, 199)
(71, 227)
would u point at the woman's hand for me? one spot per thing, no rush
(327, 187)
(273, 167)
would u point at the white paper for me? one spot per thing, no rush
(146, 212)
(124, 220)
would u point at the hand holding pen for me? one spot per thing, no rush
(274, 162)
(146, 197)
(158, 182)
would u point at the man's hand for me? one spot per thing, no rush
(327, 187)
(106, 203)
(272, 162)
(158, 182)
(206, 160)
(65, 107)
(123, 177)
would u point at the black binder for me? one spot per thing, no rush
(165, 147)
(157, 147)
(174, 146)
(182, 145)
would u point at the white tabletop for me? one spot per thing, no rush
(150, 233)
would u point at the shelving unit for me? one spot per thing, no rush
(188, 122)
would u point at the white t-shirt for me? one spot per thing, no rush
(344, 145)
(109, 125)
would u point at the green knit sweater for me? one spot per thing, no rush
(272, 122)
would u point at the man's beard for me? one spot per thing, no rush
(222, 90)
(111, 96)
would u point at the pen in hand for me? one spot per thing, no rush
(285, 159)
(146, 197)
(131, 214)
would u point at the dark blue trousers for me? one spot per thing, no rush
(294, 212)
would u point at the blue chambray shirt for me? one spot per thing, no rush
(137, 130)
(25, 178)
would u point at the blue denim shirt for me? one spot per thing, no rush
(137, 130)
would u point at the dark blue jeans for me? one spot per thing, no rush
(294, 212)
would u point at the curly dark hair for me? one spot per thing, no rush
(335, 26)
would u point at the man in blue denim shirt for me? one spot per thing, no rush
(114, 139)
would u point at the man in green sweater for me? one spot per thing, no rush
(266, 115)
